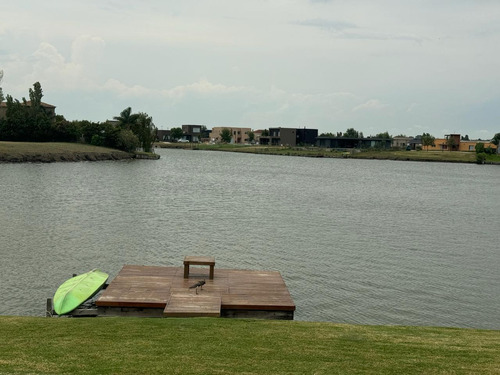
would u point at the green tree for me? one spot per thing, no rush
(251, 136)
(38, 120)
(145, 130)
(450, 142)
(465, 138)
(65, 131)
(496, 139)
(329, 134)
(126, 119)
(176, 133)
(225, 135)
(14, 127)
(265, 133)
(427, 140)
(127, 140)
(2, 98)
(384, 135)
(479, 148)
(351, 133)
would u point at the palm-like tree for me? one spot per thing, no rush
(126, 118)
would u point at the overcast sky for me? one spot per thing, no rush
(405, 67)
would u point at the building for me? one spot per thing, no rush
(192, 133)
(238, 135)
(289, 137)
(453, 142)
(346, 142)
(163, 135)
(401, 142)
(50, 109)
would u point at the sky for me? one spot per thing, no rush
(405, 67)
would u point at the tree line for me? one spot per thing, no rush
(32, 121)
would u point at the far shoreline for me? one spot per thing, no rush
(31, 152)
(316, 152)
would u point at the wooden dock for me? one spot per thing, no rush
(165, 291)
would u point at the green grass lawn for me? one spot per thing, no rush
(30, 345)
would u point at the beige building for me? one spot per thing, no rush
(441, 144)
(238, 135)
(401, 142)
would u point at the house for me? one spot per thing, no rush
(49, 109)
(163, 135)
(238, 135)
(192, 133)
(347, 142)
(401, 142)
(416, 143)
(457, 144)
(289, 137)
(257, 134)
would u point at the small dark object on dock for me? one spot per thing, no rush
(198, 284)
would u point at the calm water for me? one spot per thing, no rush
(370, 242)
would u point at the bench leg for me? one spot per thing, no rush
(186, 271)
(211, 272)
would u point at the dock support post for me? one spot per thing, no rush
(50, 308)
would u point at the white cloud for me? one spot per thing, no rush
(370, 105)
(87, 50)
(330, 64)
(413, 107)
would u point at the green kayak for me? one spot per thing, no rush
(73, 292)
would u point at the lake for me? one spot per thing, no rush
(356, 241)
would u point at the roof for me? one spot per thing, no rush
(28, 103)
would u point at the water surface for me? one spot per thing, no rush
(357, 241)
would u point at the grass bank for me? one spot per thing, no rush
(436, 156)
(227, 346)
(52, 152)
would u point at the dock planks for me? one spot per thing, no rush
(166, 288)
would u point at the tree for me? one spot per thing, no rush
(251, 136)
(450, 142)
(465, 138)
(38, 120)
(126, 118)
(127, 140)
(351, 133)
(385, 135)
(145, 130)
(496, 139)
(176, 133)
(427, 140)
(327, 135)
(2, 98)
(225, 135)
(479, 148)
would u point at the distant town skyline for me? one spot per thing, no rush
(408, 67)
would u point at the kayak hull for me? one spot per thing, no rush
(73, 292)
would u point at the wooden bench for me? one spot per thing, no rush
(199, 261)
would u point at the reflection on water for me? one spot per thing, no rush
(371, 242)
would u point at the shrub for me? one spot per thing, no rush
(127, 141)
(480, 157)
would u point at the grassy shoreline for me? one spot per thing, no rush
(18, 152)
(429, 156)
(15, 152)
(227, 346)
